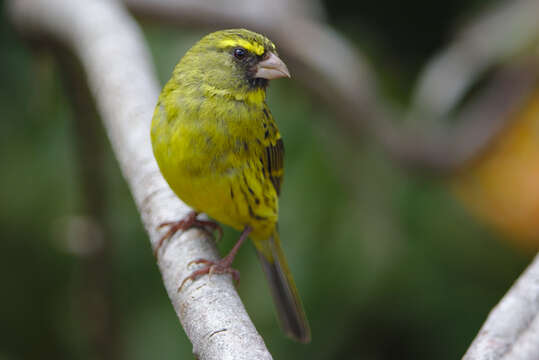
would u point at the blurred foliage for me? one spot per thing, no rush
(388, 263)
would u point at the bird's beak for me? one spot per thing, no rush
(271, 68)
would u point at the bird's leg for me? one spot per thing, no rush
(222, 266)
(184, 224)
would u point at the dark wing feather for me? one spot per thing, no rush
(274, 163)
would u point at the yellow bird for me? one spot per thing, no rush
(219, 149)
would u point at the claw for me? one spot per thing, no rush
(184, 224)
(213, 267)
(218, 267)
(213, 226)
(199, 261)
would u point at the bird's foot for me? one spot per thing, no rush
(222, 266)
(213, 267)
(184, 224)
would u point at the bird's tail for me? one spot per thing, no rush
(283, 289)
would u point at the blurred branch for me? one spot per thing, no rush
(502, 34)
(492, 38)
(482, 120)
(330, 66)
(111, 49)
(512, 328)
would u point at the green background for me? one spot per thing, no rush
(388, 263)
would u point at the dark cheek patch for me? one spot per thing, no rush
(250, 67)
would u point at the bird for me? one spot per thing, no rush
(219, 149)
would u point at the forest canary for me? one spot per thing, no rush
(219, 149)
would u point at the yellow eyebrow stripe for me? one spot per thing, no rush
(247, 45)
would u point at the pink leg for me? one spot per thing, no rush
(184, 224)
(221, 266)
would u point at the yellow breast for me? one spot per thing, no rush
(213, 153)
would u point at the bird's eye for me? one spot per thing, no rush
(240, 53)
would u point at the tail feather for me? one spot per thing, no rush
(283, 289)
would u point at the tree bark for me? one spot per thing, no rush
(511, 331)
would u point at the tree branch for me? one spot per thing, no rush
(117, 64)
(511, 331)
(478, 45)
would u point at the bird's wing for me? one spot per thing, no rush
(273, 151)
(274, 159)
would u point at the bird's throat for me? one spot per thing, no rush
(253, 95)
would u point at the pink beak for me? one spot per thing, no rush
(272, 68)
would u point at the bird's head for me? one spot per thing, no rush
(237, 63)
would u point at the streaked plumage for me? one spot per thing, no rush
(219, 148)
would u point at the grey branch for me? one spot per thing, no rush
(511, 331)
(478, 45)
(118, 68)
